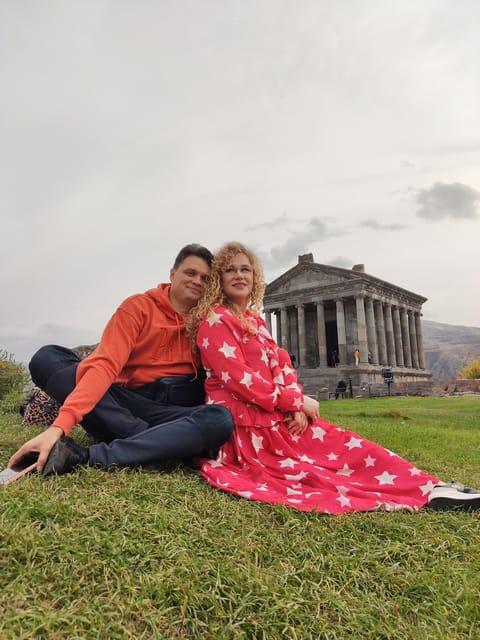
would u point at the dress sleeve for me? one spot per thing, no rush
(223, 344)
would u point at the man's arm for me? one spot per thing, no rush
(98, 372)
(41, 444)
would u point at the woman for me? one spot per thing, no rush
(281, 450)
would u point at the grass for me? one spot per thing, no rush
(153, 555)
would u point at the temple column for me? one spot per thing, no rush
(361, 328)
(268, 319)
(278, 326)
(285, 342)
(413, 338)
(371, 333)
(407, 353)
(341, 333)
(382, 345)
(391, 356)
(322, 336)
(302, 345)
(421, 354)
(397, 332)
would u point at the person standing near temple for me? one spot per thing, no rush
(356, 355)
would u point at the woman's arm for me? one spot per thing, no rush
(220, 341)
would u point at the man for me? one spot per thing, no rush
(128, 394)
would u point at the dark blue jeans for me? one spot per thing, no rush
(132, 428)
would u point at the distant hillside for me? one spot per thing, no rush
(449, 348)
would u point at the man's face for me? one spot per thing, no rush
(188, 280)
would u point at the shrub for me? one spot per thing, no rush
(471, 371)
(13, 376)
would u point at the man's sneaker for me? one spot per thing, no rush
(65, 455)
(454, 495)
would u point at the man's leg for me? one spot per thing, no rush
(199, 432)
(117, 415)
(196, 432)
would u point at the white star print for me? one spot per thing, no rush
(278, 379)
(318, 433)
(295, 437)
(344, 501)
(293, 492)
(298, 476)
(305, 458)
(298, 403)
(288, 462)
(369, 461)
(262, 487)
(257, 442)
(275, 394)
(346, 471)
(385, 478)
(354, 443)
(264, 356)
(214, 318)
(414, 471)
(216, 463)
(278, 452)
(225, 376)
(228, 350)
(332, 456)
(245, 494)
(342, 490)
(287, 370)
(205, 343)
(246, 380)
(426, 488)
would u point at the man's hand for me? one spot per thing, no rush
(41, 444)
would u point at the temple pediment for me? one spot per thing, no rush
(301, 278)
(308, 274)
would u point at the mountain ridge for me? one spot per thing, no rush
(449, 348)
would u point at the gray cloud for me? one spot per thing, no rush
(277, 222)
(285, 256)
(455, 200)
(374, 225)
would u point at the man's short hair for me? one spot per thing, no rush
(193, 249)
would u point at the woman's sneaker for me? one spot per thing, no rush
(454, 495)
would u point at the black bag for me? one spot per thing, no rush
(185, 391)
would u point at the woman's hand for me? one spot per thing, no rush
(298, 423)
(311, 408)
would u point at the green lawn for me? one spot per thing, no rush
(143, 554)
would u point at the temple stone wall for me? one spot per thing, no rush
(321, 314)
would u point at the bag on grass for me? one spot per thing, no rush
(39, 408)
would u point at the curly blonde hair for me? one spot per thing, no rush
(214, 294)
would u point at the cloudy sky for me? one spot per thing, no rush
(345, 128)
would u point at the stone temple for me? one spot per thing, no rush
(322, 315)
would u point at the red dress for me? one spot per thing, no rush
(326, 469)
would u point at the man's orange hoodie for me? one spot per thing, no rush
(144, 340)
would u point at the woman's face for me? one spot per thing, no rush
(237, 280)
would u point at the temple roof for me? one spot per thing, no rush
(309, 278)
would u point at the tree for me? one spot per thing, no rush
(471, 371)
